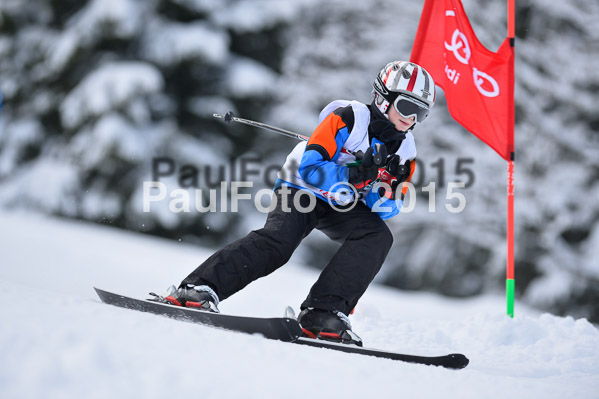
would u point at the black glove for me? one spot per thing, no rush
(367, 170)
(401, 172)
(394, 174)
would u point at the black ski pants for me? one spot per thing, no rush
(364, 237)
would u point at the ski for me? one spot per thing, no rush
(285, 329)
(278, 328)
(454, 361)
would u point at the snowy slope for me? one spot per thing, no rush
(58, 341)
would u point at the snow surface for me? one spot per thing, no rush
(59, 341)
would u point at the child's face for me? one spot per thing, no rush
(401, 123)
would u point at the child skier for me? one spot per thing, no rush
(354, 164)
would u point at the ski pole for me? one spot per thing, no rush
(229, 116)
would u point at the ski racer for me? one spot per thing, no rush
(351, 171)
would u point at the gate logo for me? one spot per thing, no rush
(479, 80)
(459, 40)
(461, 50)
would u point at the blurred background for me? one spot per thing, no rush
(93, 91)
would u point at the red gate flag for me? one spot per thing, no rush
(478, 83)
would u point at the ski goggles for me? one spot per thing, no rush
(408, 107)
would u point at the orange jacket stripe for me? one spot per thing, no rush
(325, 133)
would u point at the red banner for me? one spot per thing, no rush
(478, 83)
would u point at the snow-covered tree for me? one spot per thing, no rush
(95, 90)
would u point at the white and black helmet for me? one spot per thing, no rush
(408, 86)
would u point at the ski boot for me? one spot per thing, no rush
(199, 297)
(327, 325)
